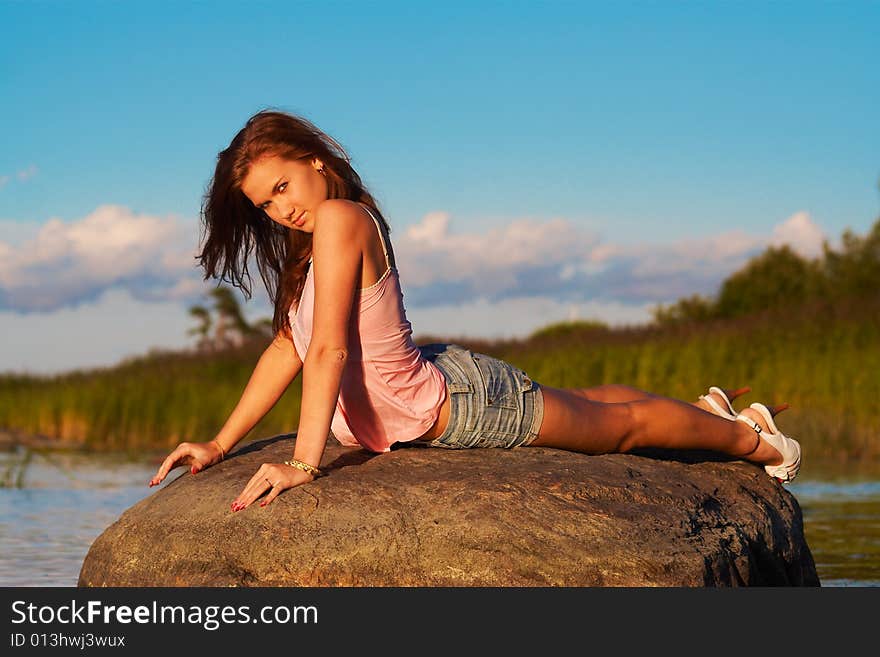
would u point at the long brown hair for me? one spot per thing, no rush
(233, 228)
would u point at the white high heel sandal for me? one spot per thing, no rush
(728, 413)
(788, 447)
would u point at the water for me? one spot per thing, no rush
(841, 507)
(65, 501)
(56, 503)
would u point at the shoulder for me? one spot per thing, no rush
(339, 216)
(339, 230)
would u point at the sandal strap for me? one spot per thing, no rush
(718, 391)
(728, 412)
(756, 428)
(709, 400)
(757, 445)
(749, 421)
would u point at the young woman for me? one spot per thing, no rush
(285, 192)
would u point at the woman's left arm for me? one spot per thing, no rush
(337, 261)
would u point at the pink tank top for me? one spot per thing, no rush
(389, 393)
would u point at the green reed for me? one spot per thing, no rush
(155, 401)
(820, 359)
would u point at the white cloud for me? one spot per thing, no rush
(65, 264)
(15, 233)
(503, 282)
(440, 265)
(555, 259)
(516, 316)
(433, 226)
(27, 173)
(801, 234)
(21, 175)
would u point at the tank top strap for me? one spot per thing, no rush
(381, 235)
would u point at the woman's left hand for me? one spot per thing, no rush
(271, 477)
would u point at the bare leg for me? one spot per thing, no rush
(619, 393)
(574, 422)
(612, 392)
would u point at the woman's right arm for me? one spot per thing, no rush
(277, 368)
(275, 371)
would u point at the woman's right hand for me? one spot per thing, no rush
(197, 455)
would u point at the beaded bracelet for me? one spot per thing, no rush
(222, 452)
(305, 467)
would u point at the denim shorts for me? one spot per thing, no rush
(492, 403)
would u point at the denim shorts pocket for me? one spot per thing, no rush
(497, 384)
(499, 399)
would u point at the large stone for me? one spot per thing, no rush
(422, 516)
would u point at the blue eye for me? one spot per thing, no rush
(281, 187)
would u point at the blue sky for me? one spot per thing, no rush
(537, 161)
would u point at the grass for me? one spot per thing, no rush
(822, 359)
(150, 402)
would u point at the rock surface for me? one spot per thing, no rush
(422, 516)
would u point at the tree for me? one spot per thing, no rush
(695, 308)
(778, 277)
(203, 330)
(230, 328)
(855, 269)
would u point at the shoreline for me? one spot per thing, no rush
(12, 438)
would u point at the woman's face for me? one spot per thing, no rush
(288, 191)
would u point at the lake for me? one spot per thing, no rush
(55, 503)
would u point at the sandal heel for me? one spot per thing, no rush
(789, 448)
